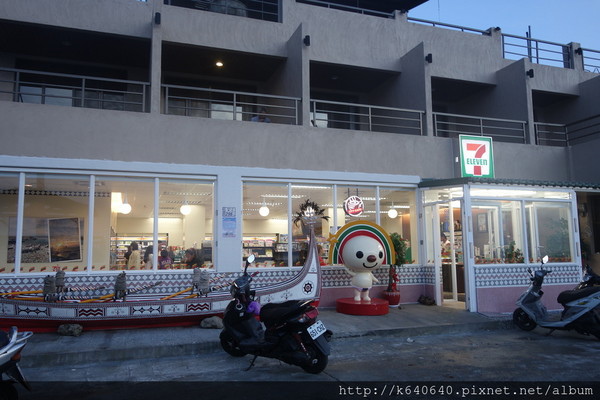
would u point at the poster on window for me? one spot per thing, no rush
(46, 240)
(64, 239)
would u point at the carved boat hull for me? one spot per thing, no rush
(152, 310)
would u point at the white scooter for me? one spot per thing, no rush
(581, 307)
(11, 345)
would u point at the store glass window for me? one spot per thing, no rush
(397, 208)
(55, 221)
(549, 230)
(185, 222)
(126, 229)
(322, 196)
(9, 190)
(498, 232)
(265, 228)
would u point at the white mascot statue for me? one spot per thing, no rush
(361, 247)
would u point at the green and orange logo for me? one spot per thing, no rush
(476, 156)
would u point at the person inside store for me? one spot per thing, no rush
(261, 116)
(193, 258)
(148, 256)
(446, 245)
(164, 261)
(127, 254)
(133, 261)
(320, 250)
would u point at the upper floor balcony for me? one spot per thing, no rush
(51, 88)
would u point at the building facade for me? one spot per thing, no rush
(183, 124)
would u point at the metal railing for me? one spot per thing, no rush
(39, 87)
(230, 105)
(583, 130)
(449, 26)
(352, 116)
(591, 60)
(266, 10)
(502, 130)
(343, 7)
(550, 134)
(537, 51)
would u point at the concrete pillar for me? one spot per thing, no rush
(156, 57)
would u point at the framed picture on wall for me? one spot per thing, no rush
(482, 223)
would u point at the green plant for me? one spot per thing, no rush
(400, 248)
(513, 255)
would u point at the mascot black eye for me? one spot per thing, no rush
(381, 254)
(359, 254)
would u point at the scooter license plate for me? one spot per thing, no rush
(316, 329)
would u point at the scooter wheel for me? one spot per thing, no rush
(230, 346)
(522, 320)
(317, 363)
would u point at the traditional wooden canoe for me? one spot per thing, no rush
(145, 306)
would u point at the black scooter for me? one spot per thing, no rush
(293, 334)
(11, 345)
(581, 306)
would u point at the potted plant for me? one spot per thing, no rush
(391, 293)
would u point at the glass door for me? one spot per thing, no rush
(444, 251)
(451, 248)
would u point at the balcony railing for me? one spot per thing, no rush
(343, 7)
(550, 134)
(27, 86)
(502, 130)
(331, 114)
(266, 10)
(583, 130)
(230, 105)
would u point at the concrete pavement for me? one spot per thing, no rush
(50, 349)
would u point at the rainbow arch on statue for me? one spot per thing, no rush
(360, 228)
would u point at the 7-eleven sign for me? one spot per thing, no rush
(476, 156)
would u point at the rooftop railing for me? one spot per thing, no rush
(363, 117)
(230, 105)
(502, 130)
(591, 60)
(537, 51)
(39, 87)
(449, 26)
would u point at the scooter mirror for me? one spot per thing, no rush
(545, 259)
(250, 259)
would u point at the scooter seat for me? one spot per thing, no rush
(570, 295)
(278, 311)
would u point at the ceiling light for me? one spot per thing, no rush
(392, 213)
(264, 210)
(185, 209)
(125, 208)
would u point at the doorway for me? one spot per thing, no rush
(445, 252)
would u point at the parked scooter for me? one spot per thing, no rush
(581, 307)
(293, 334)
(590, 278)
(11, 345)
